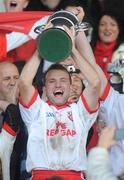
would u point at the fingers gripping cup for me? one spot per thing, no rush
(54, 44)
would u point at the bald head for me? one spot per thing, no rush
(5, 64)
(8, 78)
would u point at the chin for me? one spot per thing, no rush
(108, 41)
(59, 103)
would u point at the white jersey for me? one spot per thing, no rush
(112, 112)
(57, 135)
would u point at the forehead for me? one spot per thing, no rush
(8, 70)
(57, 74)
(107, 18)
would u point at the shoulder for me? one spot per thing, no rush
(118, 52)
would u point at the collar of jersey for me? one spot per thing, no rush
(58, 107)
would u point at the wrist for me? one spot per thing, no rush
(74, 51)
(81, 27)
(103, 145)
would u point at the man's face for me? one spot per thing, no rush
(51, 4)
(57, 86)
(76, 88)
(8, 79)
(15, 5)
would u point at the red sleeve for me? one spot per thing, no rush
(87, 106)
(8, 129)
(105, 93)
(31, 101)
(3, 46)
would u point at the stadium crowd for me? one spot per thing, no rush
(62, 120)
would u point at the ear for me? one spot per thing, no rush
(44, 96)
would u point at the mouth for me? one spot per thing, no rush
(13, 4)
(58, 93)
(107, 34)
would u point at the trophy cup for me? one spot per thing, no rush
(54, 44)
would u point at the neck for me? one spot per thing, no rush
(107, 45)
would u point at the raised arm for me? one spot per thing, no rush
(85, 50)
(28, 73)
(26, 88)
(99, 165)
(92, 91)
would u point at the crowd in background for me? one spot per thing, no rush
(94, 91)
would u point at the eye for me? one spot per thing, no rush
(51, 81)
(63, 80)
(6, 79)
(113, 24)
(102, 24)
(16, 77)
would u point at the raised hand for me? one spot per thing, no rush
(106, 139)
(78, 11)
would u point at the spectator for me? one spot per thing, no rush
(109, 98)
(107, 39)
(55, 5)
(8, 81)
(15, 5)
(8, 94)
(20, 53)
(99, 166)
(111, 112)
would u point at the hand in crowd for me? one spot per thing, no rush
(78, 11)
(12, 95)
(106, 139)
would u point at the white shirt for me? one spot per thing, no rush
(99, 166)
(112, 112)
(57, 135)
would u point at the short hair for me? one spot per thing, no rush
(56, 67)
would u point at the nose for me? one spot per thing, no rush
(12, 82)
(58, 83)
(108, 26)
